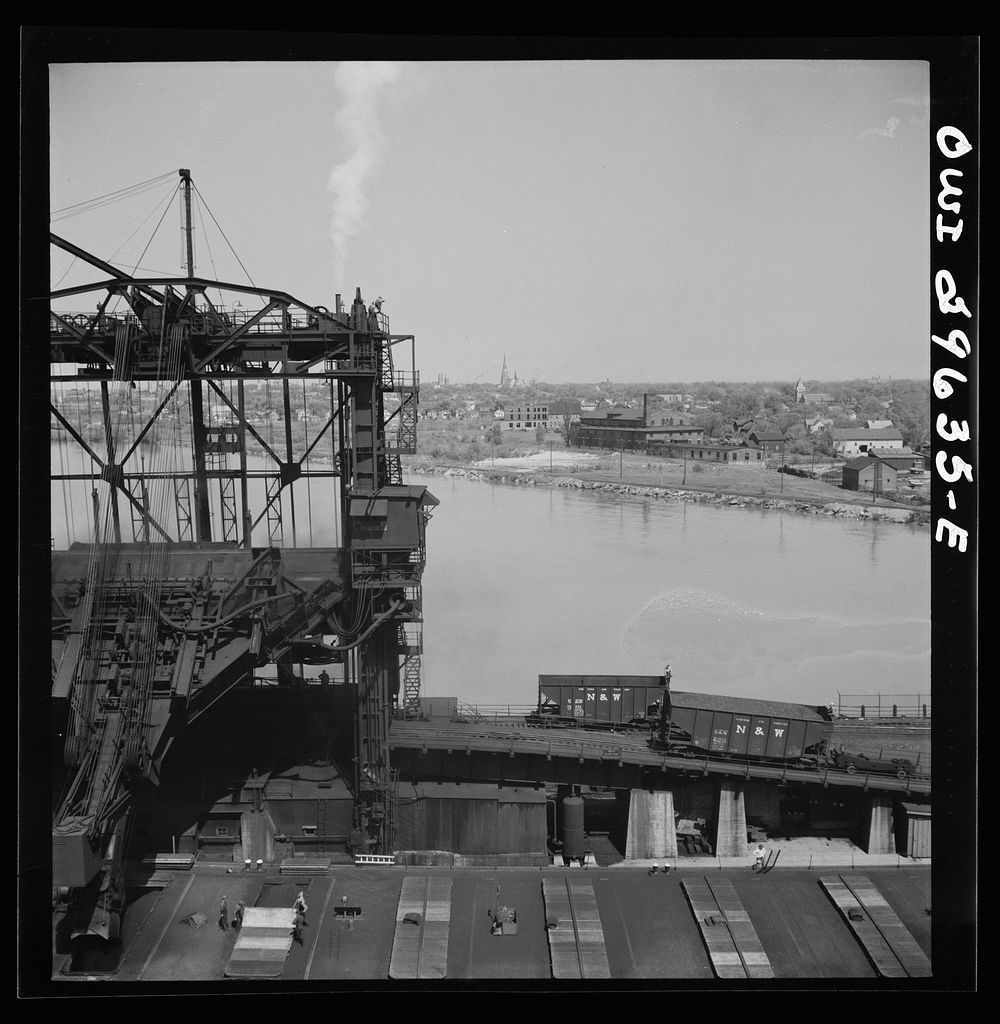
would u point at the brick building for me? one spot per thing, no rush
(633, 429)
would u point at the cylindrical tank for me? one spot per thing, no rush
(572, 807)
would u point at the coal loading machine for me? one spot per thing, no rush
(228, 459)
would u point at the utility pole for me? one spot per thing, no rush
(684, 459)
(550, 456)
(782, 470)
(621, 458)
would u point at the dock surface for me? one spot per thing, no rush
(420, 941)
(730, 937)
(573, 923)
(611, 922)
(887, 941)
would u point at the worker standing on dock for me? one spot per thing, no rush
(758, 857)
(224, 914)
(300, 907)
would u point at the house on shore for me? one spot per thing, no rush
(850, 441)
(865, 474)
(769, 440)
(559, 410)
(709, 451)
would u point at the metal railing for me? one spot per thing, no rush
(883, 705)
(494, 712)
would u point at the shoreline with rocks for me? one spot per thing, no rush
(840, 509)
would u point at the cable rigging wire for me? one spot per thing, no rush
(112, 197)
(219, 226)
(72, 263)
(167, 200)
(305, 427)
(138, 262)
(208, 245)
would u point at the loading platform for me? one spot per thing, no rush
(263, 944)
(573, 924)
(887, 941)
(730, 937)
(423, 915)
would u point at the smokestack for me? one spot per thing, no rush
(645, 410)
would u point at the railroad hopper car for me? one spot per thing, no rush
(599, 702)
(707, 724)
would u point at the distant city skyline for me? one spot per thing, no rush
(447, 379)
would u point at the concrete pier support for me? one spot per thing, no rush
(730, 821)
(877, 836)
(651, 831)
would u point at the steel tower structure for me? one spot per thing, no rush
(187, 583)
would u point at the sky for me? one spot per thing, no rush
(624, 220)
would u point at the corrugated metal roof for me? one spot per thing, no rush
(745, 706)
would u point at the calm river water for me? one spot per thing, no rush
(522, 581)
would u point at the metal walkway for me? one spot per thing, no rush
(886, 940)
(576, 938)
(730, 937)
(423, 915)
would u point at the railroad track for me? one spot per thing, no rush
(585, 745)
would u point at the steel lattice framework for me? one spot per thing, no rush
(194, 572)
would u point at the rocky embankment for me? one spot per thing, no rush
(841, 509)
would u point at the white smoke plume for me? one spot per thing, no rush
(888, 132)
(360, 85)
